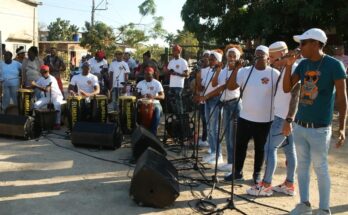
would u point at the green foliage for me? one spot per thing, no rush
(131, 36)
(148, 7)
(61, 30)
(269, 20)
(98, 37)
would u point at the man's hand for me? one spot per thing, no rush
(341, 138)
(84, 93)
(72, 93)
(287, 129)
(149, 96)
(292, 58)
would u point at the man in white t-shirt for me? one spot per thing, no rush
(85, 83)
(152, 89)
(178, 69)
(285, 106)
(118, 73)
(99, 68)
(257, 85)
(48, 85)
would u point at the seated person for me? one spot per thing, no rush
(51, 93)
(84, 84)
(152, 89)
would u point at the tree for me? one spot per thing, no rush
(148, 7)
(130, 36)
(189, 42)
(61, 30)
(169, 38)
(98, 37)
(268, 20)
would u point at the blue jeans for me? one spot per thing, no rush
(211, 116)
(38, 94)
(276, 140)
(10, 92)
(229, 108)
(115, 94)
(178, 107)
(312, 144)
(204, 122)
(156, 118)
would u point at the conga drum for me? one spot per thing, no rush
(75, 107)
(25, 101)
(99, 105)
(127, 107)
(145, 112)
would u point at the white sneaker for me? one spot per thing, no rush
(301, 209)
(209, 150)
(220, 160)
(227, 167)
(282, 188)
(260, 190)
(208, 158)
(202, 143)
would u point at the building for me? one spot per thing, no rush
(19, 23)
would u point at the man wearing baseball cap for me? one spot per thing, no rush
(48, 85)
(319, 75)
(152, 89)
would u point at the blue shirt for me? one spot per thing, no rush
(10, 73)
(318, 89)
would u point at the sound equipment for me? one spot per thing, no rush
(19, 126)
(76, 109)
(142, 139)
(94, 134)
(155, 181)
(180, 126)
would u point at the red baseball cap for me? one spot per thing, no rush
(45, 68)
(149, 70)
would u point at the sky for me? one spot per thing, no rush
(119, 12)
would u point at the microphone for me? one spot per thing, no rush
(49, 84)
(297, 51)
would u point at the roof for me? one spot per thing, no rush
(60, 42)
(31, 2)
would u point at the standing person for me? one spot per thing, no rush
(152, 89)
(20, 54)
(147, 61)
(118, 73)
(57, 66)
(131, 64)
(285, 106)
(204, 64)
(228, 99)
(99, 68)
(339, 55)
(31, 69)
(52, 94)
(10, 78)
(212, 108)
(258, 84)
(178, 69)
(319, 75)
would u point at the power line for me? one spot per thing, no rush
(67, 8)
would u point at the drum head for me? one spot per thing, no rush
(133, 98)
(101, 97)
(146, 101)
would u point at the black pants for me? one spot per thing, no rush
(245, 131)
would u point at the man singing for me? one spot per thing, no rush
(319, 75)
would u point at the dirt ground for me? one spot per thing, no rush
(41, 177)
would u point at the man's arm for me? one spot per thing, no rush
(341, 101)
(293, 105)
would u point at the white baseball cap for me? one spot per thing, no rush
(313, 33)
(263, 48)
(278, 46)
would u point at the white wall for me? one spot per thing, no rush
(17, 20)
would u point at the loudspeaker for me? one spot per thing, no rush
(46, 118)
(142, 139)
(95, 134)
(19, 126)
(155, 181)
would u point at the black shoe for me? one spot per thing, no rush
(238, 177)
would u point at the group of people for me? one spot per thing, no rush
(285, 99)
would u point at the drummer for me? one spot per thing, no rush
(150, 88)
(48, 85)
(84, 84)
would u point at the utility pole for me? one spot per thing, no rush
(94, 8)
